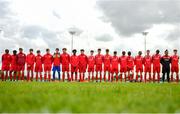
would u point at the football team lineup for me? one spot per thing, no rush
(99, 67)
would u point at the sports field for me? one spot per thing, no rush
(89, 97)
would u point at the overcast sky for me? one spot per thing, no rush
(113, 24)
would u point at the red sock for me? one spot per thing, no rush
(45, 77)
(28, 78)
(6, 77)
(36, 76)
(125, 77)
(41, 77)
(116, 77)
(100, 77)
(112, 77)
(11, 76)
(63, 76)
(153, 77)
(96, 76)
(83, 76)
(19, 75)
(89, 77)
(145, 77)
(32, 75)
(104, 77)
(121, 77)
(141, 77)
(92, 76)
(109, 77)
(150, 77)
(76, 76)
(68, 77)
(14, 76)
(172, 77)
(177, 77)
(22, 75)
(2, 76)
(49, 77)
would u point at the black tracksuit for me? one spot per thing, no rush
(165, 61)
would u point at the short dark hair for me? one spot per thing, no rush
(82, 50)
(74, 50)
(57, 49)
(64, 49)
(31, 49)
(129, 53)
(47, 49)
(107, 50)
(38, 51)
(99, 49)
(21, 49)
(115, 52)
(92, 51)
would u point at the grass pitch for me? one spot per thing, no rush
(89, 97)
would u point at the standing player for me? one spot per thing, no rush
(38, 65)
(30, 59)
(166, 61)
(65, 60)
(107, 64)
(21, 60)
(139, 65)
(74, 65)
(13, 69)
(175, 65)
(6, 61)
(56, 64)
(123, 65)
(156, 65)
(99, 61)
(82, 64)
(91, 63)
(47, 60)
(130, 66)
(147, 65)
(115, 66)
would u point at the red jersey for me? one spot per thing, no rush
(56, 59)
(123, 61)
(107, 60)
(74, 60)
(156, 60)
(83, 60)
(99, 59)
(30, 59)
(91, 61)
(115, 62)
(147, 61)
(138, 61)
(175, 61)
(39, 60)
(130, 62)
(47, 59)
(13, 60)
(65, 59)
(21, 59)
(6, 59)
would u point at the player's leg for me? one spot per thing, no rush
(141, 77)
(54, 73)
(49, 75)
(36, 76)
(116, 76)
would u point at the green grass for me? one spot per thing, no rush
(88, 97)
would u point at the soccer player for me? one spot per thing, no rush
(13, 69)
(38, 65)
(147, 65)
(165, 61)
(82, 64)
(30, 59)
(123, 65)
(47, 60)
(74, 65)
(91, 63)
(21, 60)
(65, 60)
(115, 66)
(130, 66)
(107, 64)
(99, 62)
(6, 61)
(56, 64)
(139, 65)
(175, 65)
(156, 65)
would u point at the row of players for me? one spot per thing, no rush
(13, 66)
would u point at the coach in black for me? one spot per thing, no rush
(165, 61)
